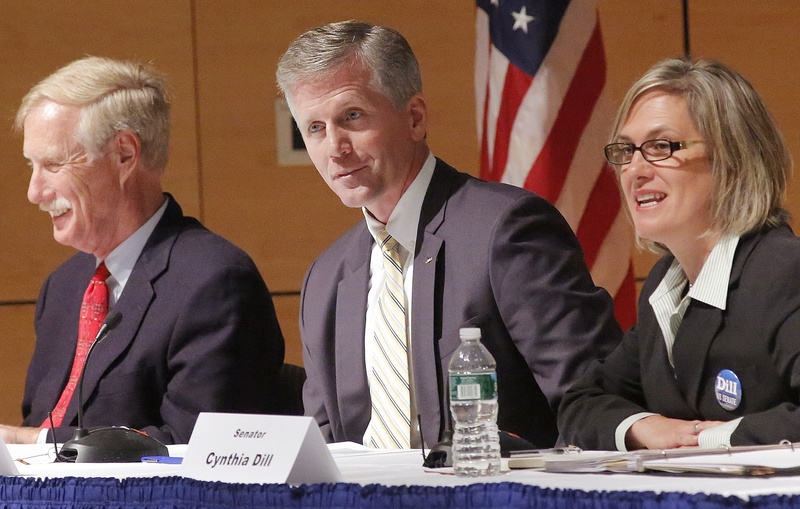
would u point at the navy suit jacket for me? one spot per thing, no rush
(757, 337)
(198, 333)
(487, 255)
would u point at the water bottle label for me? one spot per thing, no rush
(467, 387)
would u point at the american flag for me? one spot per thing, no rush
(543, 119)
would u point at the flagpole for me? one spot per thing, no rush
(686, 48)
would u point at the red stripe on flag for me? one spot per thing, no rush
(515, 87)
(601, 210)
(625, 301)
(549, 171)
(554, 162)
(486, 171)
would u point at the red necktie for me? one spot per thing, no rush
(93, 312)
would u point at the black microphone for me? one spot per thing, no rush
(441, 454)
(110, 323)
(112, 443)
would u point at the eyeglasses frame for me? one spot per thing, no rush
(674, 146)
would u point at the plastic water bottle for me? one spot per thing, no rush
(473, 403)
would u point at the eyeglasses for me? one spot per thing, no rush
(652, 150)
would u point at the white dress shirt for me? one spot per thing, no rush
(121, 260)
(402, 226)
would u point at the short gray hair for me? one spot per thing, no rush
(114, 96)
(320, 52)
(750, 161)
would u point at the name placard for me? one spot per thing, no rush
(7, 465)
(248, 448)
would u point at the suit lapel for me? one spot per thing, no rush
(135, 300)
(697, 330)
(351, 305)
(671, 400)
(657, 375)
(424, 350)
(428, 270)
(700, 326)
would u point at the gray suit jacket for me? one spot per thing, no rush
(757, 337)
(488, 255)
(198, 333)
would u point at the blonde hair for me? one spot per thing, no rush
(113, 96)
(750, 161)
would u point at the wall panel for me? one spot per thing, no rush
(761, 41)
(288, 309)
(15, 350)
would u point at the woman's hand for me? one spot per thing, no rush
(659, 432)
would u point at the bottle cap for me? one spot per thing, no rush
(469, 333)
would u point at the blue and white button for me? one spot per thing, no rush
(728, 389)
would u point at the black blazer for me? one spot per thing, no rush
(487, 255)
(198, 333)
(757, 337)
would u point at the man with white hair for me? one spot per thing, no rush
(198, 329)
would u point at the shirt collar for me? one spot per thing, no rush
(711, 286)
(404, 220)
(121, 260)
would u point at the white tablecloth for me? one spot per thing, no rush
(362, 466)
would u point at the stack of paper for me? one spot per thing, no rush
(781, 459)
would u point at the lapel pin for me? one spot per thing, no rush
(728, 390)
(429, 259)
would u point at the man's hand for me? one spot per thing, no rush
(19, 435)
(659, 432)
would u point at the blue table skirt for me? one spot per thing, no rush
(178, 493)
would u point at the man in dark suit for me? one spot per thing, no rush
(472, 254)
(198, 330)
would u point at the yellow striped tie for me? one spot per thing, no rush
(390, 423)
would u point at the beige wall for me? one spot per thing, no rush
(220, 56)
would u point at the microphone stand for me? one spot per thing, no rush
(441, 454)
(111, 444)
(113, 319)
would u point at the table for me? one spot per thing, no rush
(385, 479)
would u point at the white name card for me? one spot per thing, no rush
(247, 448)
(7, 465)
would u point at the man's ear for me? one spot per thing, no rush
(419, 117)
(127, 154)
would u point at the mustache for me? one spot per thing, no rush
(59, 203)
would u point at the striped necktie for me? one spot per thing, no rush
(390, 422)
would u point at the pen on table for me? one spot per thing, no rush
(554, 450)
(172, 460)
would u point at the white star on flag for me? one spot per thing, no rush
(521, 19)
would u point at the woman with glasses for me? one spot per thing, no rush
(714, 358)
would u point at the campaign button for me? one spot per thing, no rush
(728, 390)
